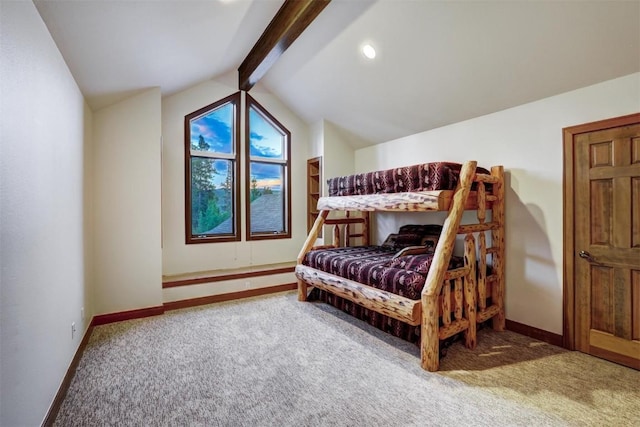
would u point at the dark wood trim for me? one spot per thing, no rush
(568, 266)
(614, 122)
(293, 17)
(103, 319)
(66, 381)
(568, 288)
(235, 100)
(333, 221)
(314, 190)
(193, 302)
(225, 277)
(286, 196)
(530, 331)
(614, 357)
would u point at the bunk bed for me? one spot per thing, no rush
(424, 287)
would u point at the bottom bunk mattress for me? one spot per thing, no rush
(375, 266)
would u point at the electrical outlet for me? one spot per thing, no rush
(82, 313)
(247, 284)
(73, 329)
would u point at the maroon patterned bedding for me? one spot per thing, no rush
(423, 177)
(375, 266)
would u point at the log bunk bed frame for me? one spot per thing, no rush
(461, 292)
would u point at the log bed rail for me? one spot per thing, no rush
(452, 301)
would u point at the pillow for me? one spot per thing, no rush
(430, 234)
(430, 243)
(422, 229)
(414, 235)
(399, 241)
(422, 263)
(427, 246)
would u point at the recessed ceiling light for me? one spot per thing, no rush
(368, 51)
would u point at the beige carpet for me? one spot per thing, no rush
(581, 389)
(273, 361)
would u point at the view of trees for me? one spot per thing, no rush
(210, 205)
(256, 192)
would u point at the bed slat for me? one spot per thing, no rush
(487, 313)
(482, 272)
(483, 177)
(482, 203)
(476, 228)
(446, 303)
(470, 290)
(454, 274)
(454, 328)
(458, 296)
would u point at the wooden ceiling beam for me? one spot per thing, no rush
(291, 20)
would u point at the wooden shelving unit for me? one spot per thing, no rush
(314, 189)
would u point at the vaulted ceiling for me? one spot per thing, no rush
(437, 63)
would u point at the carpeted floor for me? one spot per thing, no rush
(273, 361)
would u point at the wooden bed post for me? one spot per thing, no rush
(470, 290)
(429, 338)
(336, 235)
(308, 244)
(497, 238)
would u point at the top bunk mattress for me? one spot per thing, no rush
(422, 177)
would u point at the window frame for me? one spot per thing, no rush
(235, 158)
(250, 102)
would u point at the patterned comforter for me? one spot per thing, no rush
(375, 266)
(423, 177)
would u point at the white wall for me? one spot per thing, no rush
(316, 140)
(527, 140)
(127, 208)
(338, 159)
(87, 229)
(339, 155)
(46, 127)
(179, 258)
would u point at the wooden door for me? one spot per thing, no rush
(606, 250)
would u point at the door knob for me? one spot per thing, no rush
(586, 255)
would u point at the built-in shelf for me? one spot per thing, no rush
(314, 190)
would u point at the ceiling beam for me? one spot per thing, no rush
(291, 20)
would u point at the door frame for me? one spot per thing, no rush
(568, 264)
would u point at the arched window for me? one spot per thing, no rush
(268, 153)
(212, 146)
